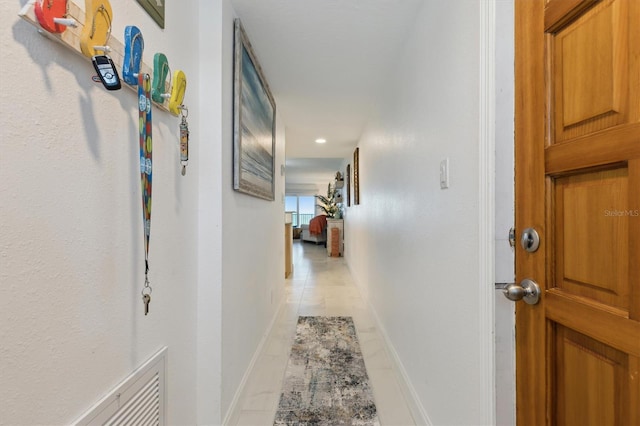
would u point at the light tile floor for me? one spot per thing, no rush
(320, 285)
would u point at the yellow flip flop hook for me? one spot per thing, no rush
(178, 89)
(97, 27)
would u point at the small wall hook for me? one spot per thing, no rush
(103, 49)
(67, 22)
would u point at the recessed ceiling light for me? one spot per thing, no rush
(321, 140)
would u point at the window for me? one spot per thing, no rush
(302, 207)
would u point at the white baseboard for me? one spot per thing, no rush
(233, 413)
(418, 411)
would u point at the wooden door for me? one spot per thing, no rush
(578, 185)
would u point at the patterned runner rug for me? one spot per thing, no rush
(326, 381)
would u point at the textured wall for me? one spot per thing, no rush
(412, 246)
(71, 250)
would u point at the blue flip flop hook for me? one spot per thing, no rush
(133, 48)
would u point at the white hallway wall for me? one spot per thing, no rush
(252, 244)
(241, 238)
(209, 303)
(412, 246)
(71, 252)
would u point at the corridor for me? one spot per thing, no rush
(320, 285)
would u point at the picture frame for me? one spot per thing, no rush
(254, 123)
(356, 176)
(348, 184)
(155, 9)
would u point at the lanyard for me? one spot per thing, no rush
(146, 147)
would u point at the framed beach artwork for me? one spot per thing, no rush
(254, 123)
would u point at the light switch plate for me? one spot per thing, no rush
(444, 174)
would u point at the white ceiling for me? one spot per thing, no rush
(325, 61)
(304, 174)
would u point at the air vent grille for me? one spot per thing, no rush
(142, 409)
(138, 400)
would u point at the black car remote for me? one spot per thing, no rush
(106, 71)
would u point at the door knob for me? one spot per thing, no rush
(528, 290)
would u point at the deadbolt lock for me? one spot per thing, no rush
(530, 240)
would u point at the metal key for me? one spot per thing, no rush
(146, 299)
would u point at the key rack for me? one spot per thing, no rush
(70, 38)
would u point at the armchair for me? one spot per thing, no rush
(307, 236)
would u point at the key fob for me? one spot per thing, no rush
(106, 72)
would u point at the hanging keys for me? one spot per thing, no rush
(146, 293)
(184, 139)
(146, 299)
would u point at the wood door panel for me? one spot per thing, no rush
(578, 184)
(605, 147)
(558, 12)
(592, 245)
(634, 243)
(606, 324)
(590, 71)
(593, 377)
(586, 50)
